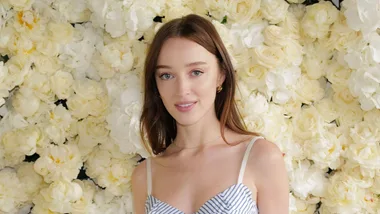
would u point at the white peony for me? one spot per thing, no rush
(30, 180)
(21, 5)
(85, 203)
(11, 191)
(25, 102)
(308, 90)
(59, 196)
(74, 11)
(61, 83)
(59, 163)
(365, 132)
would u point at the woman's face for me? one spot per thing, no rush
(187, 76)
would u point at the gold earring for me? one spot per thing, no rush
(219, 89)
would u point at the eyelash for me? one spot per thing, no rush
(198, 71)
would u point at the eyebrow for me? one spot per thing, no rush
(187, 65)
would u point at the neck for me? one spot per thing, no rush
(199, 135)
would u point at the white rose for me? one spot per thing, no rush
(242, 12)
(256, 123)
(18, 68)
(291, 25)
(99, 106)
(274, 10)
(309, 90)
(292, 107)
(293, 52)
(60, 196)
(308, 123)
(298, 10)
(362, 176)
(269, 57)
(371, 117)
(60, 32)
(318, 18)
(25, 102)
(350, 115)
(78, 106)
(61, 83)
(254, 76)
(21, 5)
(275, 36)
(338, 75)
(88, 89)
(59, 162)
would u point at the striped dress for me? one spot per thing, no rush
(235, 199)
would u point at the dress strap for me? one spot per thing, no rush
(245, 158)
(149, 175)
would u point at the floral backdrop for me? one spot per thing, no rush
(70, 97)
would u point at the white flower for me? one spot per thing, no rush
(374, 46)
(308, 123)
(59, 163)
(11, 191)
(21, 4)
(74, 11)
(59, 196)
(20, 142)
(300, 206)
(242, 11)
(118, 56)
(25, 102)
(91, 132)
(367, 155)
(344, 195)
(30, 180)
(60, 32)
(85, 203)
(274, 10)
(328, 109)
(294, 52)
(269, 57)
(18, 68)
(307, 179)
(61, 83)
(139, 17)
(365, 133)
(318, 18)
(280, 81)
(250, 36)
(325, 150)
(338, 75)
(362, 15)
(40, 85)
(110, 172)
(308, 90)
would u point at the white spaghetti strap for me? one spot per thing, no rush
(245, 158)
(149, 176)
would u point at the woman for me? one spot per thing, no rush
(205, 160)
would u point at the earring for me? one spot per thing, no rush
(219, 89)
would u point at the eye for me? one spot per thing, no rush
(165, 76)
(196, 73)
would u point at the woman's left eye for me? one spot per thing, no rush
(196, 73)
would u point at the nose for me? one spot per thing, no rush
(183, 86)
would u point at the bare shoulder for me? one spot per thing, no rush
(266, 152)
(139, 187)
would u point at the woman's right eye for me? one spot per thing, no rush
(165, 76)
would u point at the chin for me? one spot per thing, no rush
(186, 120)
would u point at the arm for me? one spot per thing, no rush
(271, 179)
(139, 188)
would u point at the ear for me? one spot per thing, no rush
(221, 77)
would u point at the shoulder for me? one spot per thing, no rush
(266, 156)
(139, 178)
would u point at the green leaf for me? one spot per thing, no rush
(224, 21)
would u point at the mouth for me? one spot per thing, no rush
(185, 107)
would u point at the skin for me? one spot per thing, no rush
(196, 167)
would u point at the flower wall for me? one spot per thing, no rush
(70, 97)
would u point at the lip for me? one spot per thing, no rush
(185, 108)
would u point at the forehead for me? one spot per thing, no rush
(180, 51)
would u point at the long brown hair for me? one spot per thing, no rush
(156, 124)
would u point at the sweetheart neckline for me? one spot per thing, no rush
(205, 203)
